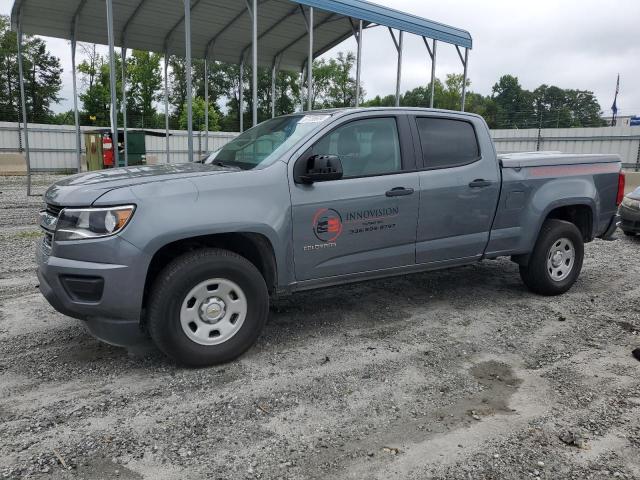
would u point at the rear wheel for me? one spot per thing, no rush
(556, 261)
(207, 307)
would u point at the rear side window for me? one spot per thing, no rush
(447, 143)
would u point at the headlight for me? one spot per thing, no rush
(631, 203)
(83, 223)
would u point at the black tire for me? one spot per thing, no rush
(629, 234)
(536, 275)
(174, 283)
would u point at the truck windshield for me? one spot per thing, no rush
(263, 144)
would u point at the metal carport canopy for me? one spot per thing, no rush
(282, 34)
(222, 28)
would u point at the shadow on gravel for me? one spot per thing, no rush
(382, 305)
(374, 310)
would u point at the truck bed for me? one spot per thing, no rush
(534, 184)
(545, 159)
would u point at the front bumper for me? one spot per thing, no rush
(113, 314)
(630, 219)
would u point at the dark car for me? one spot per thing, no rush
(630, 213)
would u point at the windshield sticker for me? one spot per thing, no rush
(314, 118)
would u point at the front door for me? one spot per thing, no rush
(367, 220)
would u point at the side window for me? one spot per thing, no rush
(365, 147)
(447, 143)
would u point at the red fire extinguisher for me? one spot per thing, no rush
(107, 151)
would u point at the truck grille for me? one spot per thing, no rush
(48, 220)
(46, 244)
(53, 209)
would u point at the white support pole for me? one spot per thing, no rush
(254, 60)
(302, 94)
(123, 54)
(241, 96)
(166, 102)
(23, 102)
(359, 63)
(433, 72)
(112, 83)
(76, 116)
(433, 54)
(273, 88)
(464, 78)
(310, 63)
(187, 41)
(399, 77)
(206, 104)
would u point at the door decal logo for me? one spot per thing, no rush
(327, 225)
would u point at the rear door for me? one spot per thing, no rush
(367, 220)
(459, 188)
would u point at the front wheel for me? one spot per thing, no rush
(207, 307)
(556, 261)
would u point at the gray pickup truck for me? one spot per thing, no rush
(191, 254)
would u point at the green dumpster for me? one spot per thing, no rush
(136, 148)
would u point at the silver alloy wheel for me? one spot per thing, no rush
(213, 311)
(561, 259)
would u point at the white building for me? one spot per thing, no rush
(624, 120)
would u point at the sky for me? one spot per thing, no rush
(580, 44)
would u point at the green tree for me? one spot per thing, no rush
(144, 82)
(514, 105)
(198, 107)
(559, 108)
(585, 109)
(42, 76)
(177, 88)
(334, 86)
(96, 97)
(378, 101)
(287, 92)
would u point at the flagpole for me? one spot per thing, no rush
(614, 107)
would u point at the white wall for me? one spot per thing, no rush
(625, 141)
(53, 147)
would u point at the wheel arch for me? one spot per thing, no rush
(580, 212)
(255, 247)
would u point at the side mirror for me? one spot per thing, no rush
(318, 168)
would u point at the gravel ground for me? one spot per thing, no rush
(459, 374)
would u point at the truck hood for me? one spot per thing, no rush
(85, 188)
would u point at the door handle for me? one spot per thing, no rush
(480, 183)
(399, 192)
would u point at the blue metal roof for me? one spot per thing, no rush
(388, 17)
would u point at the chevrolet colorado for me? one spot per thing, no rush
(191, 254)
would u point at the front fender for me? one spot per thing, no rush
(243, 202)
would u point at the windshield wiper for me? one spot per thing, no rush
(220, 163)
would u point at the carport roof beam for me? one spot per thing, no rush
(388, 17)
(152, 25)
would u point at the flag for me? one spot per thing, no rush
(614, 107)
